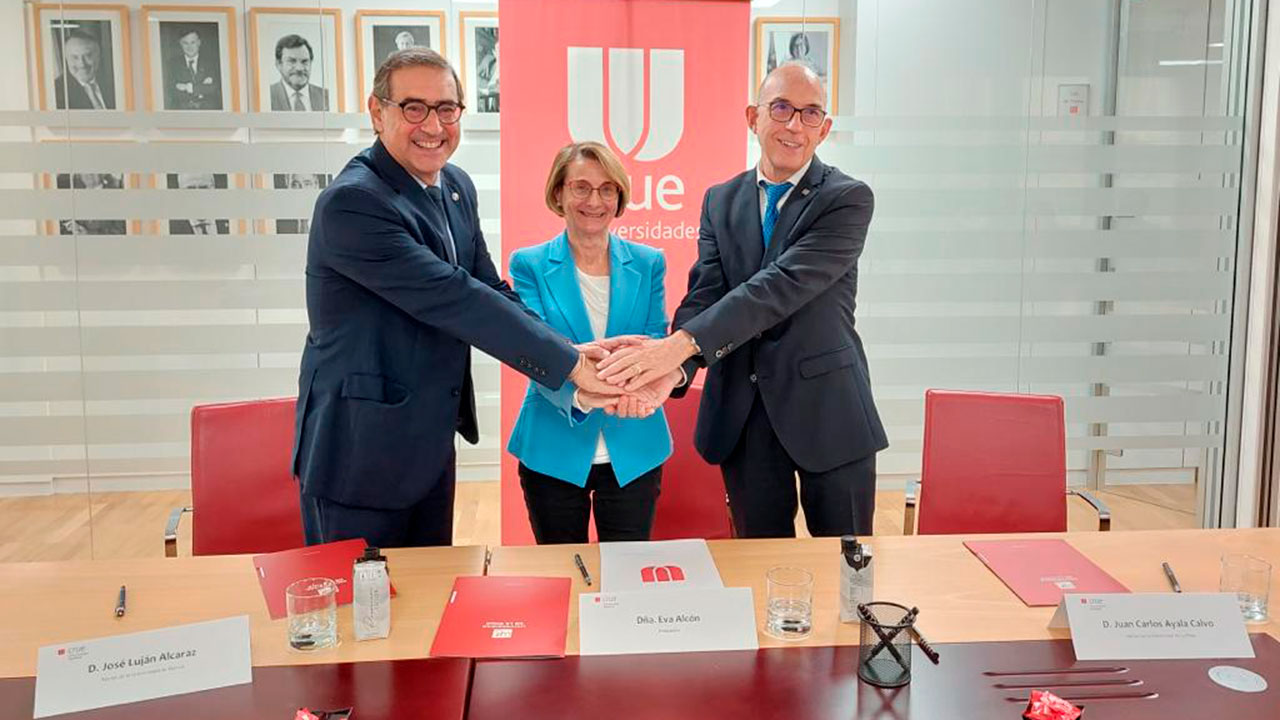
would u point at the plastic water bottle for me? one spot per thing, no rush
(855, 577)
(371, 596)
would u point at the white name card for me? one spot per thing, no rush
(1154, 626)
(692, 620)
(121, 669)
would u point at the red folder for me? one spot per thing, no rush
(1041, 571)
(504, 617)
(332, 560)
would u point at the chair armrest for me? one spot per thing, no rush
(909, 507)
(171, 530)
(1104, 512)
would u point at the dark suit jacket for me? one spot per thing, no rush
(206, 91)
(385, 379)
(783, 321)
(316, 95)
(70, 94)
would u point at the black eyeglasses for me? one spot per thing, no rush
(782, 111)
(416, 111)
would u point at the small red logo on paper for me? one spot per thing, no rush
(62, 651)
(661, 574)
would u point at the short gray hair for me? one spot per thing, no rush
(411, 57)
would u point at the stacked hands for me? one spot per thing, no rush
(630, 375)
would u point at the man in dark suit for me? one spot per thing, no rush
(79, 87)
(191, 80)
(399, 287)
(770, 314)
(294, 91)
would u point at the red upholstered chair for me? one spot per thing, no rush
(244, 496)
(692, 503)
(994, 463)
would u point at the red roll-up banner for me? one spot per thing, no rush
(664, 84)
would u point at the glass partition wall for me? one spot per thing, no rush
(1058, 183)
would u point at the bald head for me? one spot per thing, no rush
(787, 78)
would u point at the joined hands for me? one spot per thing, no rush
(597, 390)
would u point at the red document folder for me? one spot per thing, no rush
(504, 617)
(1041, 571)
(332, 560)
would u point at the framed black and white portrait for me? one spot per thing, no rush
(190, 54)
(314, 182)
(814, 42)
(479, 52)
(82, 57)
(199, 223)
(382, 32)
(91, 182)
(295, 59)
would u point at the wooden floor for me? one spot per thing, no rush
(131, 524)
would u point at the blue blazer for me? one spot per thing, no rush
(551, 437)
(386, 371)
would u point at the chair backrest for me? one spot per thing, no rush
(993, 463)
(692, 501)
(242, 488)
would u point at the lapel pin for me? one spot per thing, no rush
(455, 197)
(804, 191)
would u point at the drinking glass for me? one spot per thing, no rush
(1249, 578)
(789, 611)
(312, 605)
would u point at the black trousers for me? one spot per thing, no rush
(759, 477)
(560, 511)
(427, 522)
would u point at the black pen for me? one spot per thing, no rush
(120, 603)
(1173, 579)
(586, 576)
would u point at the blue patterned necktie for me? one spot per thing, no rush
(772, 194)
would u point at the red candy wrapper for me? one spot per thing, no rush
(1045, 705)
(305, 714)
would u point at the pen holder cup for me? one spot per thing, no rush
(884, 650)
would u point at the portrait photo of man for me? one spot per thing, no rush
(297, 181)
(85, 78)
(390, 38)
(294, 91)
(201, 225)
(90, 181)
(487, 91)
(192, 69)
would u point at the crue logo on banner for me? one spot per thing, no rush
(644, 127)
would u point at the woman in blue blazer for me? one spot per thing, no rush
(577, 449)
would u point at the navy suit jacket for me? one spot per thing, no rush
(782, 320)
(385, 378)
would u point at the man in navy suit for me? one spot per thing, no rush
(399, 287)
(770, 314)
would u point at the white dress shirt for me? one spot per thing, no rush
(595, 295)
(304, 95)
(794, 180)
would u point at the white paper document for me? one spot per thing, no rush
(689, 620)
(1154, 626)
(121, 669)
(664, 564)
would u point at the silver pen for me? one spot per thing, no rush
(1173, 579)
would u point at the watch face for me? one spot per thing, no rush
(1237, 678)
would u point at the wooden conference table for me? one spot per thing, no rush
(960, 601)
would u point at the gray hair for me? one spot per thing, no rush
(411, 57)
